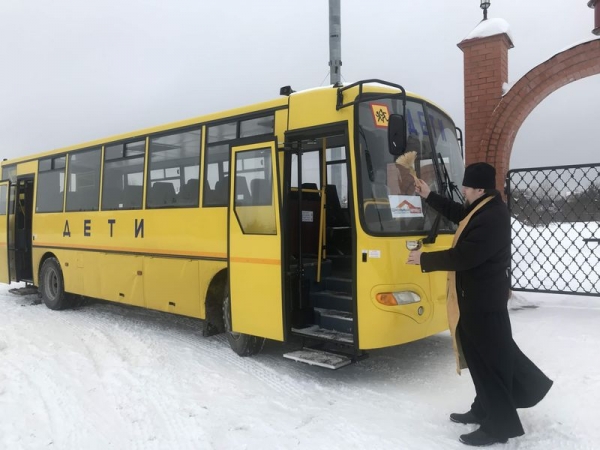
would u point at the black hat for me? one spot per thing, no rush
(480, 176)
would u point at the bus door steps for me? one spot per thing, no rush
(316, 332)
(339, 301)
(337, 284)
(319, 358)
(332, 319)
(27, 290)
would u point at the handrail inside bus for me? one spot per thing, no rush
(340, 94)
(321, 253)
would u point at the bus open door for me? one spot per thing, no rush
(255, 306)
(4, 264)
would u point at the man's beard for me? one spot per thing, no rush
(467, 203)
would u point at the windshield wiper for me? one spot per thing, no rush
(448, 185)
(449, 188)
(433, 232)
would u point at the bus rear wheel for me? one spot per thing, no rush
(52, 286)
(242, 344)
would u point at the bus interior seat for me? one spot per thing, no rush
(261, 191)
(309, 213)
(337, 223)
(241, 190)
(73, 201)
(336, 216)
(188, 195)
(132, 197)
(82, 199)
(161, 194)
(112, 198)
(209, 195)
(219, 194)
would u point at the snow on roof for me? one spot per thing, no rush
(490, 27)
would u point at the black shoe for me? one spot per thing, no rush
(465, 418)
(480, 438)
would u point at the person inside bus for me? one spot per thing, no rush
(478, 291)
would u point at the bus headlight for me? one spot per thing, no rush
(398, 298)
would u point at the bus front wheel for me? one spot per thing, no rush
(52, 286)
(242, 344)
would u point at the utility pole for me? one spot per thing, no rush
(335, 77)
(335, 42)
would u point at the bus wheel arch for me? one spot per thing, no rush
(39, 271)
(213, 305)
(52, 284)
(242, 344)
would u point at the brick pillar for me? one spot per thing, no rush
(486, 70)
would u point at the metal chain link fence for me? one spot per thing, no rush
(555, 229)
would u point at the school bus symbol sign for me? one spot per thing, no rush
(381, 115)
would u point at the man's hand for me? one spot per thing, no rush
(421, 187)
(414, 257)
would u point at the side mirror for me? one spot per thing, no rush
(397, 135)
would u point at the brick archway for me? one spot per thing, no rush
(513, 108)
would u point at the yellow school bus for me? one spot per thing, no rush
(291, 217)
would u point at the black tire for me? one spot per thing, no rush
(242, 344)
(52, 286)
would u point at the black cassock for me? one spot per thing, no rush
(504, 378)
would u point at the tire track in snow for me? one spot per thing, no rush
(120, 363)
(115, 383)
(114, 340)
(188, 331)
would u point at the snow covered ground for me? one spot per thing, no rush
(104, 376)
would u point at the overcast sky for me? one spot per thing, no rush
(73, 71)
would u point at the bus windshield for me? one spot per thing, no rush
(389, 204)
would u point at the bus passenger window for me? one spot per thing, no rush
(174, 162)
(3, 190)
(216, 171)
(123, 175)
(83, 186)
(51, 185)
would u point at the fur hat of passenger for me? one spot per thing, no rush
(480, 176)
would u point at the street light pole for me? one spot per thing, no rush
(485, 4)
(595, 4)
